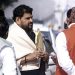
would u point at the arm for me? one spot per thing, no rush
(63, 56)
(9, 61)
(30, 57)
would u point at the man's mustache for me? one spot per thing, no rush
(31, 23)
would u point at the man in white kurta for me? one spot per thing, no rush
(23, 45)
(22, 37)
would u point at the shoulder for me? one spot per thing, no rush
(6, 47)
(4, 43)
(12, 26)
(60, 36)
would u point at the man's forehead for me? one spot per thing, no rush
(27, 14)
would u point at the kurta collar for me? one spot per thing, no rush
(71, 25)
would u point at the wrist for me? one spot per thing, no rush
(23, 61)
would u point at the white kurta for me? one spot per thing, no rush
(7, 59)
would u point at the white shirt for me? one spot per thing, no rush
(8, 61)
(63, 56)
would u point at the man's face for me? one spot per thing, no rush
(26, 22)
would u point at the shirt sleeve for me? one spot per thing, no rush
(63, 56)
(9, 61)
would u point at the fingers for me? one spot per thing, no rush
(38, 54)
(42, 54)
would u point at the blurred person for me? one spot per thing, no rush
(65, 47)
(3, 20)
(59, 29)
(7, 55)
(21, 35)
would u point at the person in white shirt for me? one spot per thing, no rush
(65, 47)
(8, 64)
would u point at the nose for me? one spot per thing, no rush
(31, 20)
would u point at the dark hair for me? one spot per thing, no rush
(20, 10)
(4, 26)
(1, 12)
(69, 13)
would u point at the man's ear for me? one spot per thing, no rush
(18, 21)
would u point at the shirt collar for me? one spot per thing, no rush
(71, 24)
